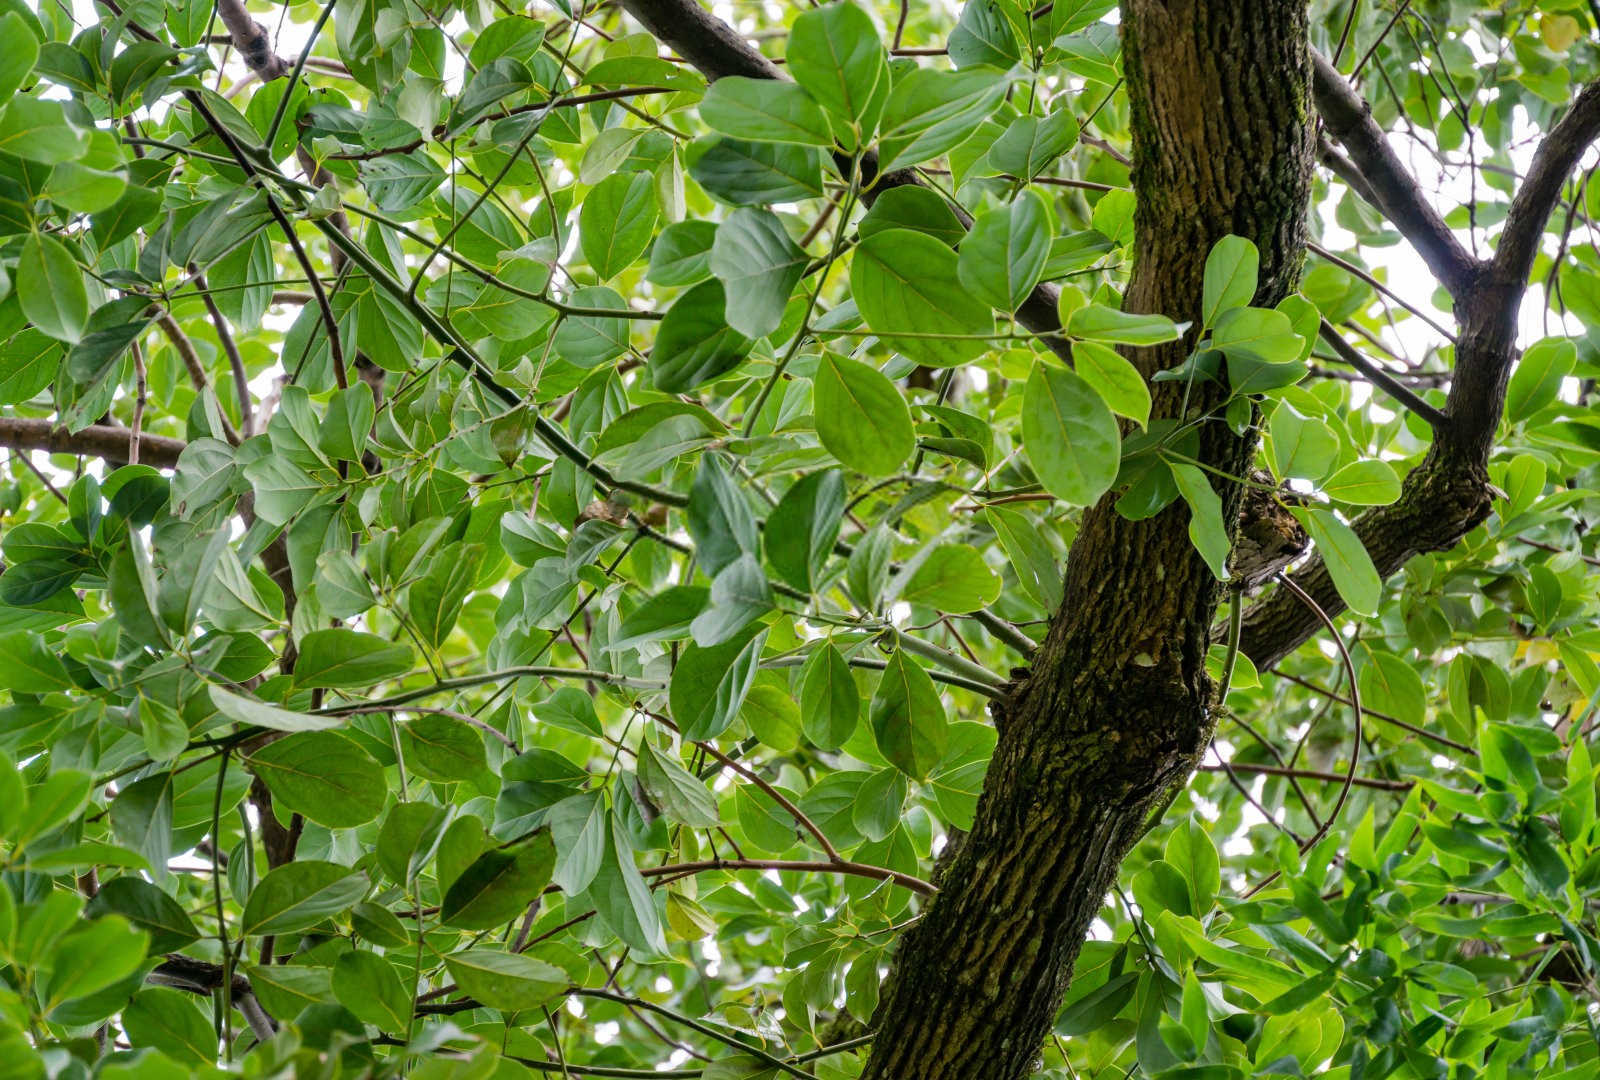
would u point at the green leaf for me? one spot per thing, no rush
(743, 173)
(1191, 850)
(1296, 998)
(400, 181)
(300, 894)
(347, 423)
(861, 418)
(435, 599)
(951, 578)
(50, 288)
(494, 81)
(719, 518)
(410, 836)
(38, 130)
(695, 344)
(1069, 434)
(28, 364)
(801, 530)
(756, 262)
(1091, 52)
(369, 986)
(764, 110)
(148, 908)
(930, 111)
(1301, 446)
(1370, 482)
(1230, 277)
(1347, 560)
(246, 710)
(983, 36)
(623, 900)
(341, 658)
(668, 614)
(709, 684)
(1097, 322)
(443, 748)
(173, 1023)
(830, 705)
(739, 594)
(1030, 144)
(83, 189)
(1113, 216)
(500, 884)
(1101, 1005)
(52, 802)
(684, 798)
(772, 713)
(93, 956)
(379, 925)
(28, 666)
(578, 828)
(286, 989)
(19, 50)
(1194, 1012)
(834, 52)
(1003, 257)
(131, 582)
(1114, 378)
(1031, 557)
(907, 282)
(1391, 685)
(1207, 530)
(908, 719)
(616, 222)
(1537, 379)
(141, 817)
(506, 981)
(323, 775)
(915, 208)
(681, 254)
(1256, 334)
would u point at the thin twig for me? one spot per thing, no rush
(1378, 377)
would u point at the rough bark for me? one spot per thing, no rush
(1115, 709)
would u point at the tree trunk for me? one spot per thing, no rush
(1116, 708)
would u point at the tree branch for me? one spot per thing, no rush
(713, 47)
(97, 440)
(1533, 203)
(1309, 774)
(251, 39)
(1449, 492)
(241, 379)
(1345, 170)
(200, 977)
(1442, 499)
(1381, 378)
(1394, 191)
(191, 363)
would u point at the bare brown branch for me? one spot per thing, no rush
(1394, 191)
(97, 440)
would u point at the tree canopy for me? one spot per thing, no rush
(823, 540)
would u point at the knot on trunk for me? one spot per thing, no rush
(1269, 537)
